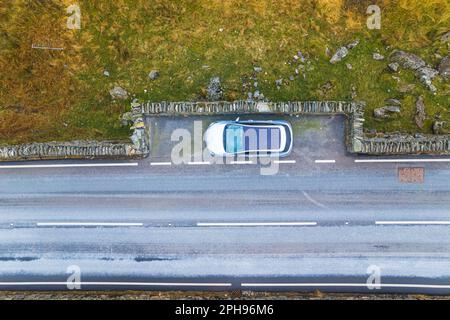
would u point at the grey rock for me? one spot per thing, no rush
(214, 90)
(292, 78)
(349, 66)
(406, 88)
(339, 55)
(279, 82)
(420, 116)
(256, 94)
(393, 102)
(118, 93)
(353, 44)
(386, 112)
(426, 75)
(407, 60)
(444, 67)
(445, 37)
(377, 56)
(106, 73)
(257, 69)
(437, 126)
(394, 66)
(153, 75)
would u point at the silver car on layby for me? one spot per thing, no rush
(251, 138)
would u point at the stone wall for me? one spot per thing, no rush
(356, 141)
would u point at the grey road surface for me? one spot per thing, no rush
(323, 220)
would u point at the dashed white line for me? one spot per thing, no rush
(325, 161)
(72, 165)
(423, 222)
(199, 163)
(382, 285)
(150, 284)
(399, 160)
(253, 224)
(89, 224)
(161, 163)
(241, 162)
(285, 161)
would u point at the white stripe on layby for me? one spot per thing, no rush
(89, 224)
(358, 285)
(325, 161)
(161, 163)
(399, 160)
(241, 162)
(137, 284)
(198, 162)
(72, 165)
(253, 224)
(423, 222)
(285, 161)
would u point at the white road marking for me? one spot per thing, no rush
(253, 224)
(161, 163)
(437, 222)
(73, 165)
(382, 285)
(89, 224)
(308, 197)
(325, 161)
(162, 284)
(399, 160)
(285, 161)
(198, 163)
(241, 162)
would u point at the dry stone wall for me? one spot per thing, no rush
(356, 141)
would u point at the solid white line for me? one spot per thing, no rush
(89, 224)
(383, 285)
(253, 224)
(241, 162)
(412, 222)
(285, 161)
(198, 162)
(399, 160)
(325, 161)
(161, 163)
(74, 165)
(184, 284)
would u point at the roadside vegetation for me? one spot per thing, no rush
(64, 94)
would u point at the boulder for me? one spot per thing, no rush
(214, 90)
(420, 116)
(393, 66)
(386, 112)
(339, 55)
(407, 60)
(118, 93)
(444, 67)
(153, 75)
(377, 56)
(437, 126)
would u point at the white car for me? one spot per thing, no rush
(249, 137)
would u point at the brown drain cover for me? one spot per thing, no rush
(411, 175)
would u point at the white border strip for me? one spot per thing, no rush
(89, 224)
(285, 161)
(198, 163)
(382, 285)
(160, 163)
(399, 160)
(149, 284)
(241, 162)
(73, 165)
(325, 161)
(253, 224)
(436, 222)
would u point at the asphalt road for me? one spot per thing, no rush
(318, 219)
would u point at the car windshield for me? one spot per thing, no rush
(234, 138)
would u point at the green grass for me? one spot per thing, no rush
(64, 95)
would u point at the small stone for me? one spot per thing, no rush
(214, 90)
(153, 75)
(255, 84)
(394, 66)
(292, 78)
(257, 69)
(444, 67)
(256, 94)
(445, 37)
(406, 88)
(339, 55)
(118, 93)
(349, 66)
(385, 112)
(106, 73)
(394, 102)
(279, 82)
(250, 95)
(420, 112)
(437, 126)
(353, 44)
(377, 56)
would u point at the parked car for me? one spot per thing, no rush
(249, 137)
